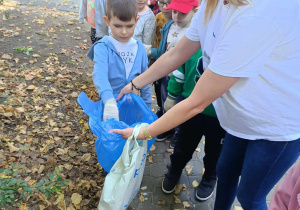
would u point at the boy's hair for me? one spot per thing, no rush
(124, 10)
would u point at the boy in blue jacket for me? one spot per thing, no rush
(118, 58)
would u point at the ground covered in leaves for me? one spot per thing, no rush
(44, 135)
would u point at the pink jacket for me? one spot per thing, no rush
(287, 194)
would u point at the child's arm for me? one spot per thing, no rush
(149, 30)
(102, 84)
(175, 87)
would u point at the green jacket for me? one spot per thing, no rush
(184, 79)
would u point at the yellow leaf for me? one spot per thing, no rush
(50, 43)
(198, 149)
(142, 198)
(186, 204)
(176, 199)
(20, 109)
(28, 37)
(5, 177)
(12, 148)
(195, 183)
(70, 23)
(36, 56)
(76, 199)
(6, 139)
(189, 169)
(39, 76)
(144, 188)
(30, 87)
(152, 147)
(178, 189)
(86, 157)
(23, 207)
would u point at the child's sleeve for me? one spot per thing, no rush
(154, 53)
(176, 82)
(149, 30)
(82, 10)
(100, 73)
(146, 91)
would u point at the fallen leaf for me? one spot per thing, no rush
(186, 204)
(76, 199)
(6, 56)
(189, 169)
(86, 157)
(142, 198)
(20, 109)
(178, 189)
(198, 149)
(12, 148)
(41, 169)
(176, 199)
(161, 202)
(23, 207)
(195, 183)
(150, 158)
(152, 148)
(144, 188)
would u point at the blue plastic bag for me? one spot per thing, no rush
(109, 146)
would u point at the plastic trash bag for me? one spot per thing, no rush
(109, 146)
(124, 180)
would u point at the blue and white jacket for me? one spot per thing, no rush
(109, 73)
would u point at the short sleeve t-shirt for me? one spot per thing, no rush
(127, 51)
(260, 44)
(174, 35)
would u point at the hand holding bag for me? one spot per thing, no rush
(124, 180)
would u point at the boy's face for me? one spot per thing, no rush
(120, 30)
(141, 4)
(162, 4)
(181, 19)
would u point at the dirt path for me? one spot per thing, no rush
(43, 68)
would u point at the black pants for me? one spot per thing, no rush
(93, 36)
(191, 133)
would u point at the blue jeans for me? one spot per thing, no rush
(258, 163)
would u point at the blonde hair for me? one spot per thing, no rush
(212, 4)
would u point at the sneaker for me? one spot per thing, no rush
(206, 187)
(175, 138)
(165, 135)
(169, 182)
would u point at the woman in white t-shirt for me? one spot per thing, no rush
(251, 57)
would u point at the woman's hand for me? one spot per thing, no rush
(127, 89)
(127, 132)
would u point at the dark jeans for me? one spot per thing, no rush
(258, 163)
(93, 36)
(191, 133)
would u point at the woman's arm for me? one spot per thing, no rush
(209, 87)
(167, 63)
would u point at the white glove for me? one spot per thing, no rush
(110, 110)
(169, 103)
(148, 49)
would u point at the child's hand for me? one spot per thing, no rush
(169, 103)
(110, 110)
(127, 89)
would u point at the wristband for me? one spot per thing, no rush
(133, 86)
(146, 134)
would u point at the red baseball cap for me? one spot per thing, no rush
(183, 6)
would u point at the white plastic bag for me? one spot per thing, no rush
(124, 179)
